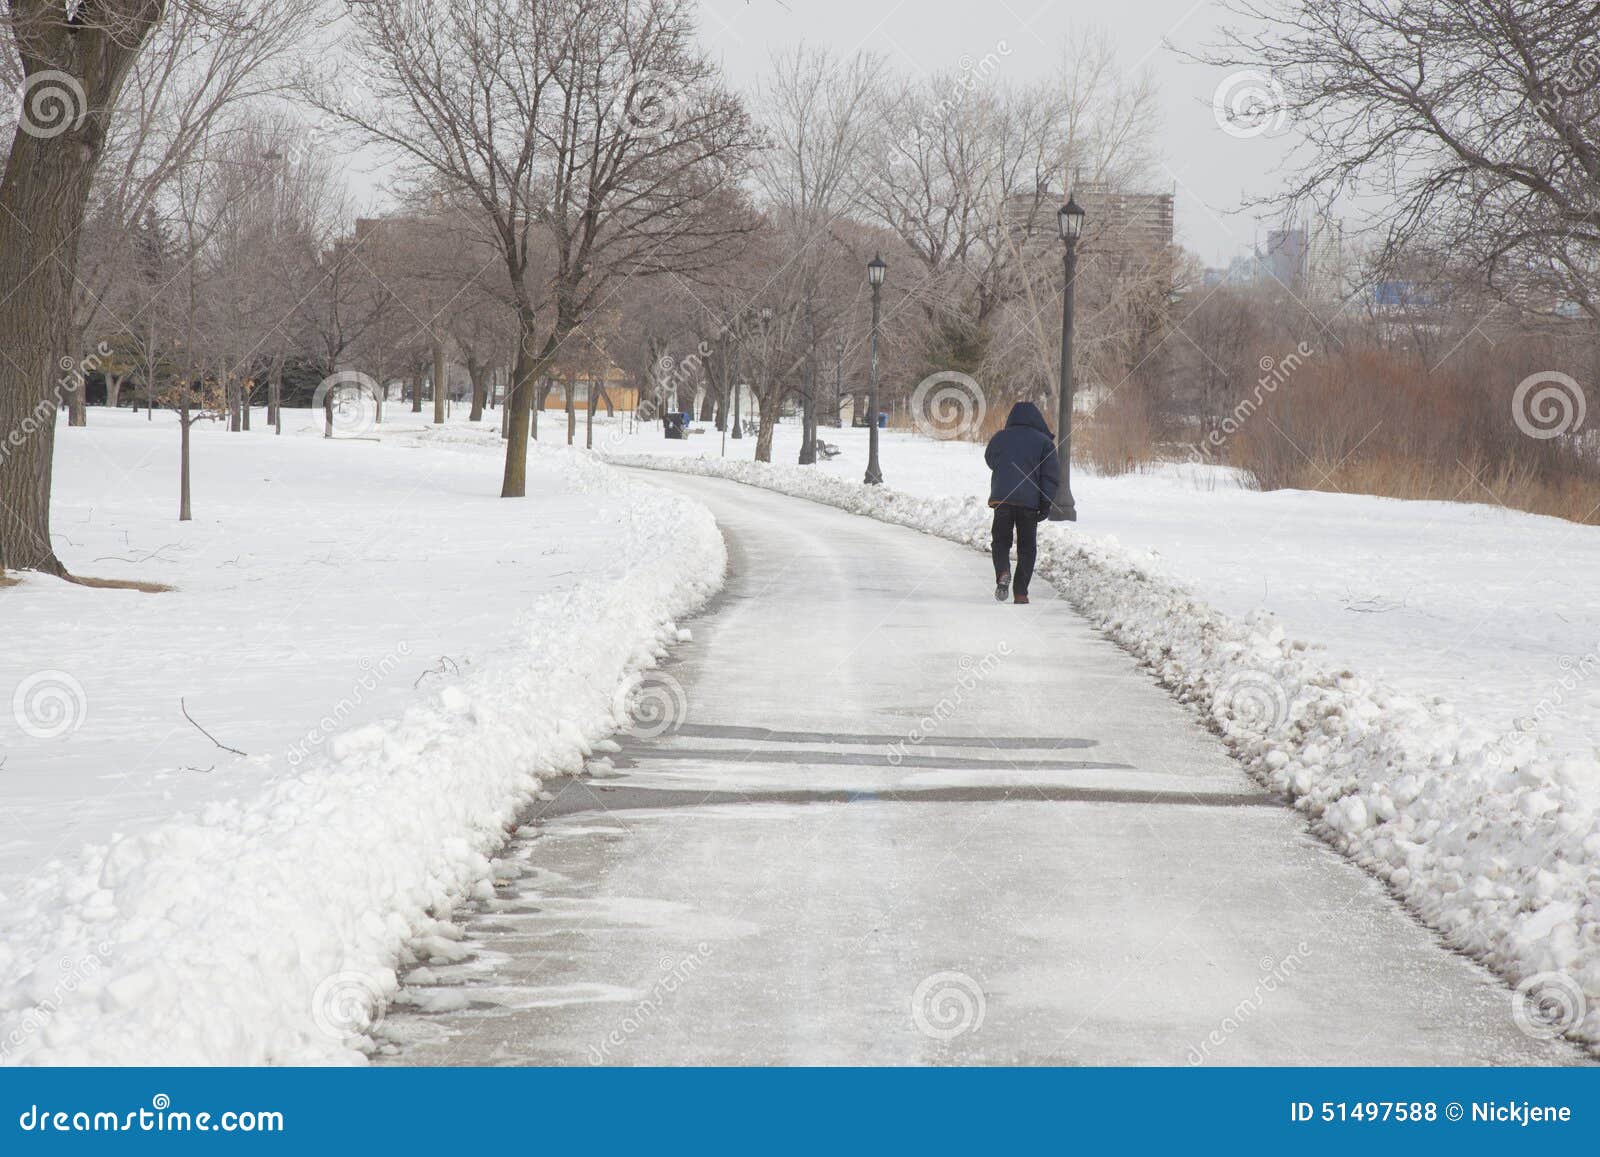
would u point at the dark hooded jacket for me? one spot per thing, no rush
(1023, 458)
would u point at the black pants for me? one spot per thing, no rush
(1026, 524)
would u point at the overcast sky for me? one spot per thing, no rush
(1206, 167)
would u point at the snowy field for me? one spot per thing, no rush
(393, 652)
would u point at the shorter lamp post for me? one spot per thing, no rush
(838, 382)
(875, 272)
(1069, 220)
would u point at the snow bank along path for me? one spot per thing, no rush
(1490, 844)
(259, 930)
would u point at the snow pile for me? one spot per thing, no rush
(1490, 843)
(266, 929)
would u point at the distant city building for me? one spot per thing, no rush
(1306, 260)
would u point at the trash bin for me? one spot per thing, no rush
(883, 420)
(672, 425)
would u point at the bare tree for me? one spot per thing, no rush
(1476, 118)
(201, 65)
(595, 129)
(74, 59)
(818, 111)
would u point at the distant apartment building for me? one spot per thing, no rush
(1127, 237)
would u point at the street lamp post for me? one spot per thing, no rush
(838, 382)
(875, 271)
(738, 348)
(766, 378)
(1069, 220)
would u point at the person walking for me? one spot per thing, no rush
(1026, 473)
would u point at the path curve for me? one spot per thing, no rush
(891, 821)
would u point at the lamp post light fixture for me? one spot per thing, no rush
(1069, 220)
(875, 273)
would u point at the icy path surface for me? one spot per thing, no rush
(880, 818)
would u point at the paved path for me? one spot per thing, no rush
(895, 822)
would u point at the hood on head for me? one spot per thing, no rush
(1027, 414)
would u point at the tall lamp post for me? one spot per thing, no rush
(875, 271)
(1069, 219)
(838, 382)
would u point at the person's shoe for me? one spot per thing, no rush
(1002, 587)
(1022, 600)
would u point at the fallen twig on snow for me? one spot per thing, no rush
(182, 707)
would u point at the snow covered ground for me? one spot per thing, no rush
(1488, 826)
(400, 653)
(397, 653)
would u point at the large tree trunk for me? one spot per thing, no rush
(572, 416)
(416, 392)
(114, 389)
(707, 403)
(42, 198)
(769, 419)
(77, 396)
(526, 372)
(440, 385)
(478, 372)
